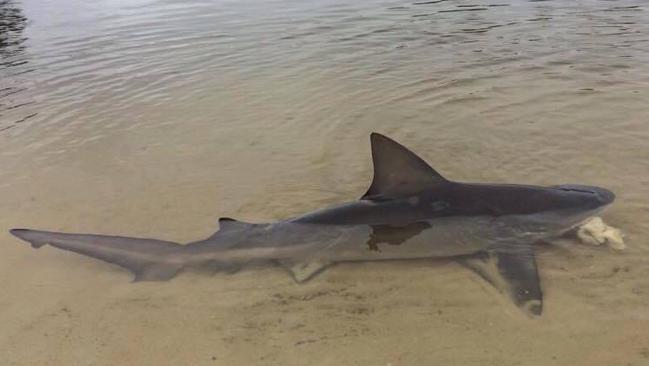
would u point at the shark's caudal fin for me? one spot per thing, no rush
(148, 259)
(398, 172)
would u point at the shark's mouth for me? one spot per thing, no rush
(587, 216)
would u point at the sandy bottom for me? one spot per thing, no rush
(62, 309)
(368, 314)
(59, 308)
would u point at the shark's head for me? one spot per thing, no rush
(541, 210)
(578, 202)
(550, 210)
(583, 197)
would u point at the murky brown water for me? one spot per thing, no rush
(154, 118)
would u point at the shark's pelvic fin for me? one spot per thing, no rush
(304, 270)
(148, 259)
(513, 273)
(398, 172)
(156, 272)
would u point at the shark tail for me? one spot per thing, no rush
(147, 259)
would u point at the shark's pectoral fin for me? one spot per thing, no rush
(303, 271)
(512, 272)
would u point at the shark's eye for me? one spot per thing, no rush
(439, 205)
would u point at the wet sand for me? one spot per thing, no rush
(232, 137)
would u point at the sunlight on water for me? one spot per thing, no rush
(155, 118)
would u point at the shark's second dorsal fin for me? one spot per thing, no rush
(398, 172)
(230, 224)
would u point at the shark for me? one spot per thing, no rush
(410, 211)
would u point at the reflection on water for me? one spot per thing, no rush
(120, 56)
(152, 118)
(13, 64)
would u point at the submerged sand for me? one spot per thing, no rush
(59, 308)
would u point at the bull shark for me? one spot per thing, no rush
(410, 211)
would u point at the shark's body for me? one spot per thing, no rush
(409, 212)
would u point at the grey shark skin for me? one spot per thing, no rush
(410, 211)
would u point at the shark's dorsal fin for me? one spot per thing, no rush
(230, 224)
(398, 172)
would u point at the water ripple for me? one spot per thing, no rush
(124, 57)
(13, 66)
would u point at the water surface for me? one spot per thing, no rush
(154, 118)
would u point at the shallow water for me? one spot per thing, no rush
(154, 118)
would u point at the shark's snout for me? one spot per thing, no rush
(602, 195)
(605, 196)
